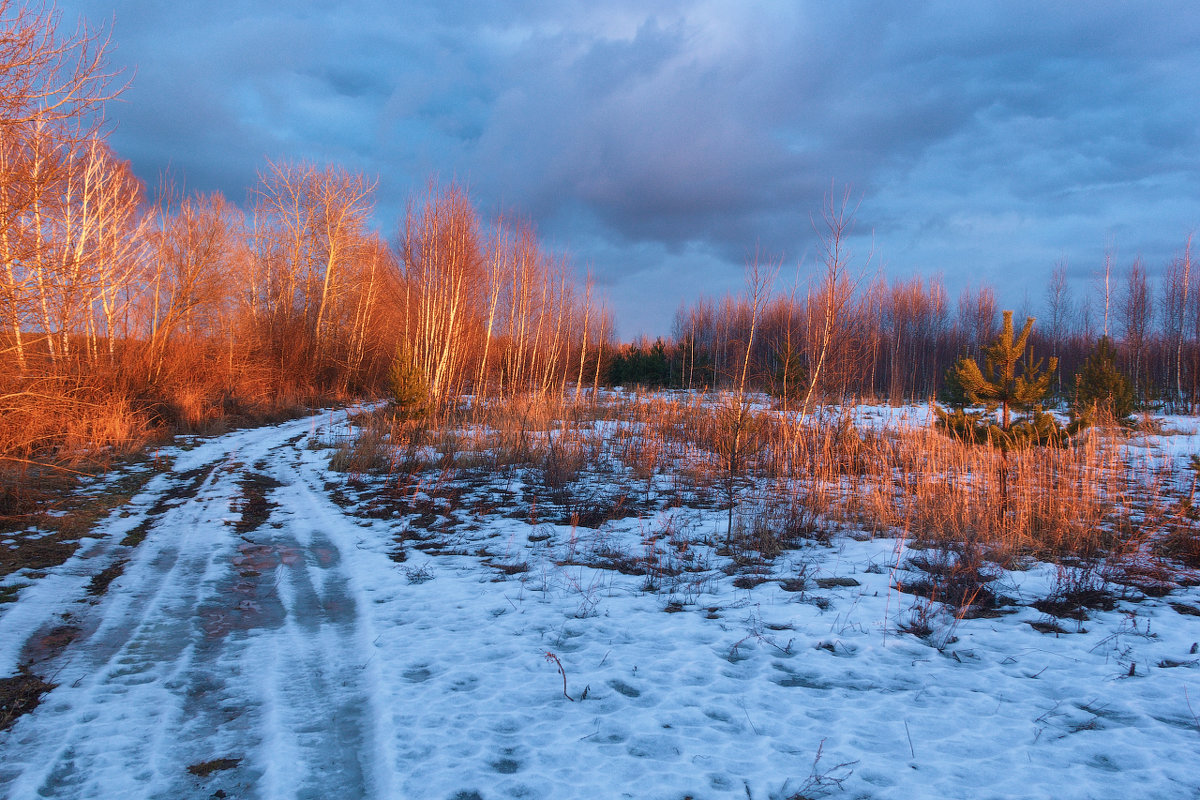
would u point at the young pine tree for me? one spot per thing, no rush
(1008, 382)
(954, 393)
(409, 386)
(1100, 389)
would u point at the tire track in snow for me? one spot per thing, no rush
(243, 656)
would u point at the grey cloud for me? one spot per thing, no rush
(647, 136)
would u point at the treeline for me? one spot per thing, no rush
(894, 340)
(121, 314)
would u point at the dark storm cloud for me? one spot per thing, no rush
(662, 141)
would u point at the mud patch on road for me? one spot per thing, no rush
(49, 643)
(21, 693)
(253, 505)
(206, 768)
(100, 581)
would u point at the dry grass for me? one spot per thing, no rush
(1087, 500)
(20, 694)
(53, 514)
(967, 506)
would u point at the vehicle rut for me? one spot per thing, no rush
(229, 658)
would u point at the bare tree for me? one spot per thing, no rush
(835, 288)
(341, 202)
(1109, 256)
(1135, 314)
(443, 266)
(1176, 296)
(759, 279)
(48, 77)
(1058, 303)
(192, 276)
(50, 85)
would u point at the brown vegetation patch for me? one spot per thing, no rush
(1151, 579)
(595, 509)
(56, 515)
(1075, 604)
(968, 599)
(19, 695)
(831, 583)
(749, 581)
(1182, 543)
(1169, 663)
(509, 569)
(959, 580)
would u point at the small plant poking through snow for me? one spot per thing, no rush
(552, 657)
(820, 782)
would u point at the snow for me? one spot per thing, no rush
(321, 666)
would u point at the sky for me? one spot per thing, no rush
(661, 144)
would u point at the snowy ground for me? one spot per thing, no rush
(271, 639)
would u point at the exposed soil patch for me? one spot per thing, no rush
(100, 582)
(38, 552)
(19, 695)
(206, 768)
(137, 534)
(254, 506)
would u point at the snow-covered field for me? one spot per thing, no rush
(270, 638)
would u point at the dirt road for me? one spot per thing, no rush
(231, 656)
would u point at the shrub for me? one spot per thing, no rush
(409, 386)
(998, 386)
(1100, 390)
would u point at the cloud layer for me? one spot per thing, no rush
(661, 142)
